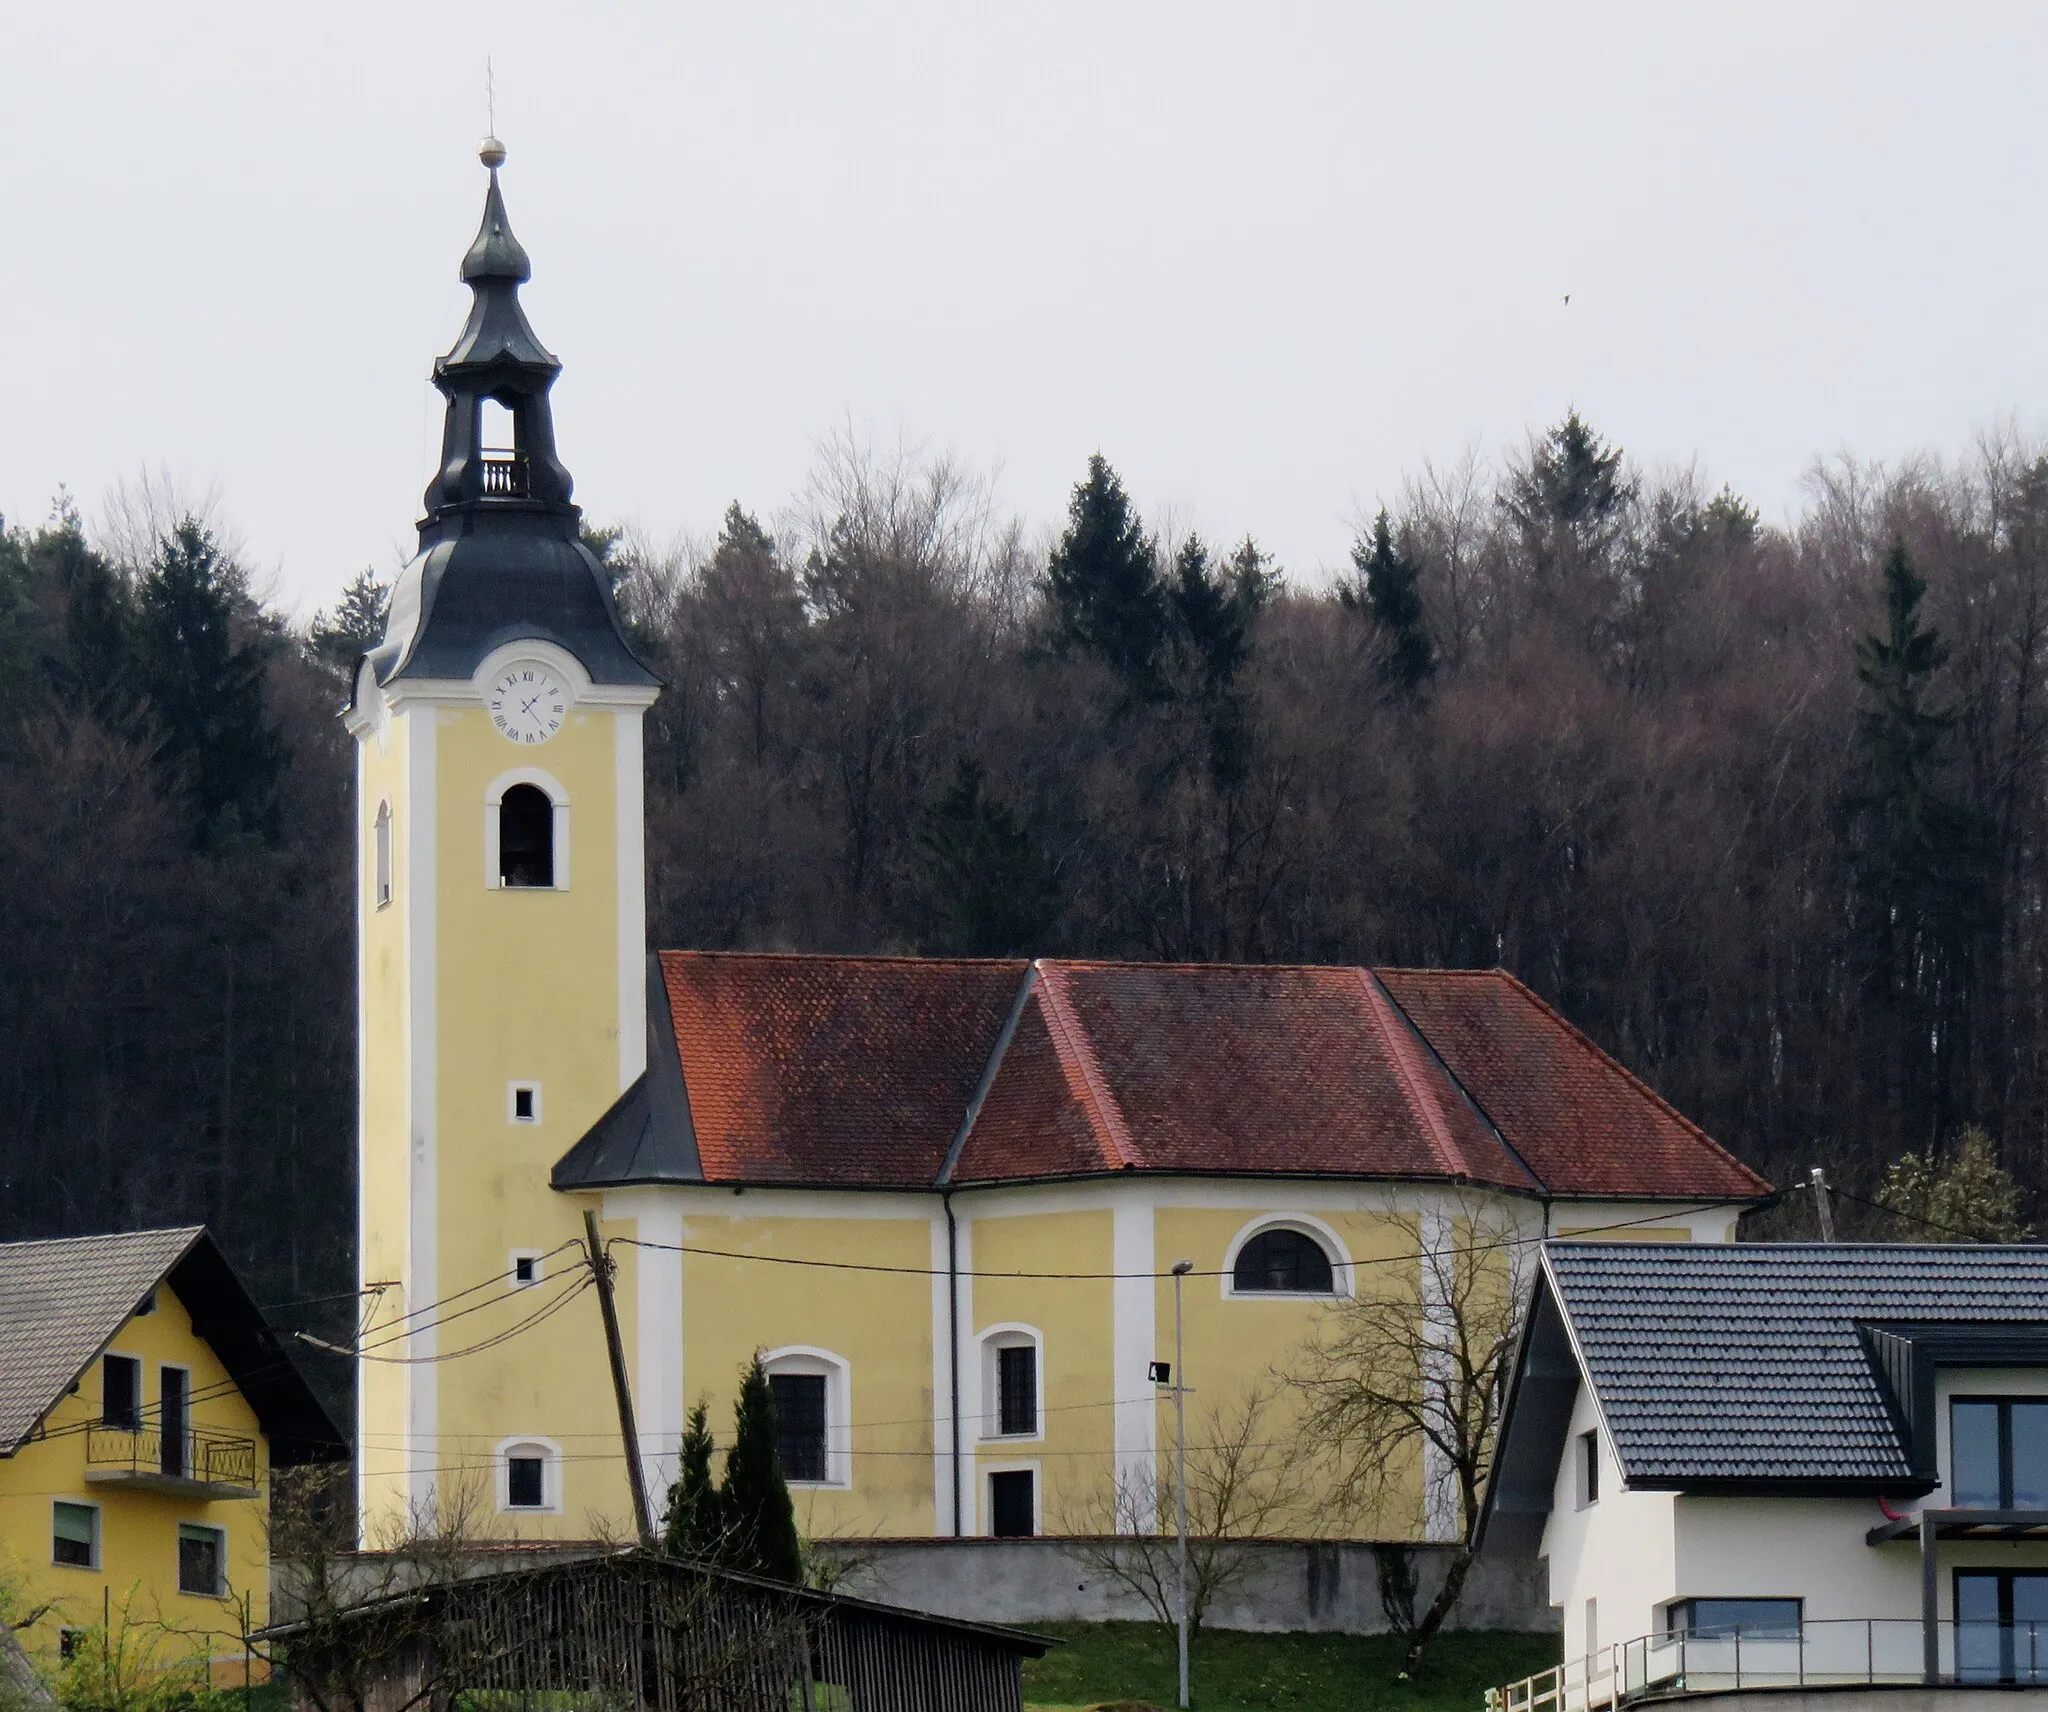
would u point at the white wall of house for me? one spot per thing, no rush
(1617, 1552)
(1643, 1221)
(1794, 1548)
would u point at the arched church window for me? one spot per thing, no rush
(383, 854)
(1284, 1260)
(526, 837)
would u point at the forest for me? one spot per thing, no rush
(1760, 809)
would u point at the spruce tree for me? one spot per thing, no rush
(355, 623)
(1390, 591)
(981, 887)
(759, 1520)
(692, 1526)
(1104, 584)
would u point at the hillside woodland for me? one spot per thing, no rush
(1760, 809)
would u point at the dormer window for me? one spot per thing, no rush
(1998, 1453)
(526, 837)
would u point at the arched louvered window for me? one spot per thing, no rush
(526, 837)
(1283, 1260)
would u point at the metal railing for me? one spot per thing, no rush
(210, 1459)
(1827, 1652)
(505, 475)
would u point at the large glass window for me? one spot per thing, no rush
(799, 1424)
(1753, 1619)
(2002, 1626)
(1998, 1453)
(1285, 1260)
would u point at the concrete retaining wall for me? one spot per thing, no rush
(1326, 1586)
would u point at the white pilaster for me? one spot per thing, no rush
(657, 1333)
(1439, 1487)
(1133, 1345)
(422, 1260)
(632, 878)
(942, 1382)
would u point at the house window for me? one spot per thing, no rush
(531, 1477)
(202, 1560)
(800, 1425)
(1017, 1388)
(75, 1534)
(1759, 1619)
(68, 1643)
(1998, 1453)
(2002, 1626)
(1592, 1627)
(1587, 1455)
(522, 1102)
(526, 837)
(383, 854)
(174, 1419)
(1283, 1261)
(1012, 1504)
(526, 1268)
(121, 1392)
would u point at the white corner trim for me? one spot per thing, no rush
(838, 1376)
(1133, 1335)
(944, 1494)
(658, 1353)
(494, 797)
(417, 891)
(1342, 1271)
(629, 790)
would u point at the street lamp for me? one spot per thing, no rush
(1181, 1268)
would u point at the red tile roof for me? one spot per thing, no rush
(861, 1072)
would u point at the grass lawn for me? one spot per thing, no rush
(1233, 1672)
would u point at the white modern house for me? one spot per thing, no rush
(1750, 1465)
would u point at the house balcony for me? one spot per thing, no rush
(193, 1464)
(1823, 1653)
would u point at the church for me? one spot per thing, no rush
(943, 1200)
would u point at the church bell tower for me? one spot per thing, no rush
(501, 937)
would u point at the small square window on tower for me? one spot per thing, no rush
(526, 1268)
(524, 1102)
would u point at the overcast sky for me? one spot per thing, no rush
(1266, 257)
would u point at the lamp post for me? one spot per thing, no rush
(1181, 1268)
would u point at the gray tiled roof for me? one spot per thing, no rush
(61, 1301)
(1731, 1362)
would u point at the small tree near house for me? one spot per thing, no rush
(1244, 1481)
(1413, 1368)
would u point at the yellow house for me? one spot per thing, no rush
(943, 1199)
(143, 1405)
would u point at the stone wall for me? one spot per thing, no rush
(1328, 1586)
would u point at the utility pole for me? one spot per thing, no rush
(601, 1269)
(1181, 1268)
(1823, 1203)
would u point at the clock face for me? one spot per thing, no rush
(526, 703)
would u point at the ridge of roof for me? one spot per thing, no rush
(1472, 1100)
(1083, 1069)
(1588, 1046)
(1008, 1033)
(1401, 1053)
(848, 957)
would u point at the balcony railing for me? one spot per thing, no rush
(505, 476)
(208, 1464)
(1823, 1653)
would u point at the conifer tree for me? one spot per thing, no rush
(1390, 591)
(982, 888)
(692, 1526)
(355, 624)
(1104, 584)
(759, 1520)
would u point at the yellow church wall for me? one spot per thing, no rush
(878, 1324)
(135, 1584)
(1074, 1451)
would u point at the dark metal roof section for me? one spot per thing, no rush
(646, 1136)
(1752, 1367)
(500, 556)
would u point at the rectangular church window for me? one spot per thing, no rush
(1017, 1389)
(1011, 1510)
(799, 1425)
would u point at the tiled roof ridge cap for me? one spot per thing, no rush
(847, 957)
(188, 1232)
(1588, 1045)
(1083, 1069)
(1413, 1079)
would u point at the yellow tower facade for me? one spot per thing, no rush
(502, 942)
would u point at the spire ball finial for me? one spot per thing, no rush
(492, 153)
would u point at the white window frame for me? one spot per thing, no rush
(220, 1542)
(512, 1092)
(987, 1494)
(550, 1455)
(512, 1260)
(98, 1534)
(838, 1376)
(1010, 1335)
(380, 842)
(1341, 1271)
(494, 798)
